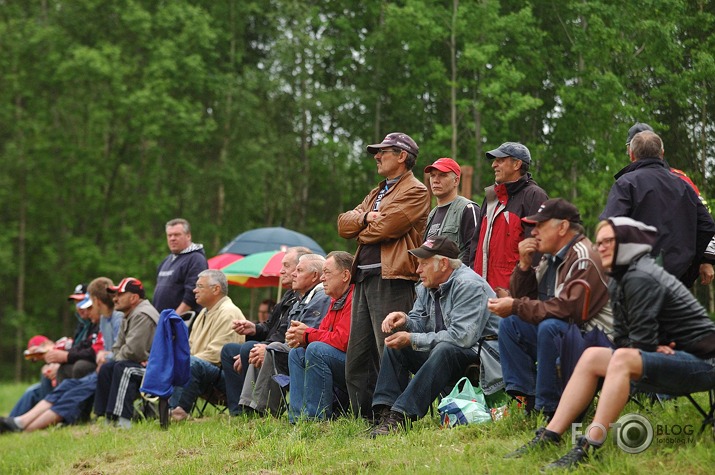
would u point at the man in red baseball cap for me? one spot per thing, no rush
(118, 381)
(454, 216)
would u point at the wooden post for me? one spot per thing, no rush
(466, 181)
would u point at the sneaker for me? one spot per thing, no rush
(542, 438)
(391, 423)
(7, 424)
(580, 453)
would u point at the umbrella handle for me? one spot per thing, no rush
(587, 297)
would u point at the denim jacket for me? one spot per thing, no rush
(466, 319)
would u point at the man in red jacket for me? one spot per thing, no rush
(317, 360)
(514, 194)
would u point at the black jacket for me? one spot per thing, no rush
(647, 191)
(651, 307)
(274, 329)
(82, 350)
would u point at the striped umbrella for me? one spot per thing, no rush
(261, 269)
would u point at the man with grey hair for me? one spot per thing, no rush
(266, 394)
(513, 195)
(647, 191)
(235, 356)
(177, 274)
(211, 329)
(448, 329)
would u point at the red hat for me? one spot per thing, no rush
(445, 165)
(128, 284)
(37, 340)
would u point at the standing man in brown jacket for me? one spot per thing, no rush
(389, 221)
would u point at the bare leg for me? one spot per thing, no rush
(626, 365)
(39, 409)
(581, 388)
(46, 419)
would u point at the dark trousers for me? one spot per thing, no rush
(433, 371)
(117, 387)
(373, 299)
(234, 380)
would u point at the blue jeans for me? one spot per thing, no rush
(204, 375)
(234, 380)
(32, 396)
(313, 373)
(521, 346)
(433, 372)
(678, 374)
(72, 398)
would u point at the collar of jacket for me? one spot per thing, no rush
(642, 163)
(382, 184)
(340, 303)
(505, 190)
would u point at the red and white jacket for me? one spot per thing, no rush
(495, 245)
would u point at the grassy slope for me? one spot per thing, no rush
(219, 444)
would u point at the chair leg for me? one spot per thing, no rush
(164, 413)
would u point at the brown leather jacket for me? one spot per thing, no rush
(403, 211)
(581, 262)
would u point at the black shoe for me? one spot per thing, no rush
(378, 414)
(7, 424)
(542, 438)
(580, 453)
(391, 423)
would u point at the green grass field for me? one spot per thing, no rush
(220, 444)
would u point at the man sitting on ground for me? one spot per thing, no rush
(119, 380)
(70, 401)
(317, 360)
(210, 331)
(544, 301)
(437, 340)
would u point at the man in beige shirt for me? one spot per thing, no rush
(209, 332)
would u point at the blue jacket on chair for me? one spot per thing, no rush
(168, 364)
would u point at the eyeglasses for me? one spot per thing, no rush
(382, 152)
(201, 286)
(606, 243)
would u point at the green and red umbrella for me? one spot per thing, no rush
(223, 260)
(261, 269)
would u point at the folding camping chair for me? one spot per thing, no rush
(708, 416)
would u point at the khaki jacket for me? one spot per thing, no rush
(212, 329)
(403, 210)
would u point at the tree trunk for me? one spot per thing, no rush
(21, 242)
(453, 85)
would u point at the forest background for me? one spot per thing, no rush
(116, 116)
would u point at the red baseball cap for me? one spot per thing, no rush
(445, 165)
(128, 284)
(37, 340)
